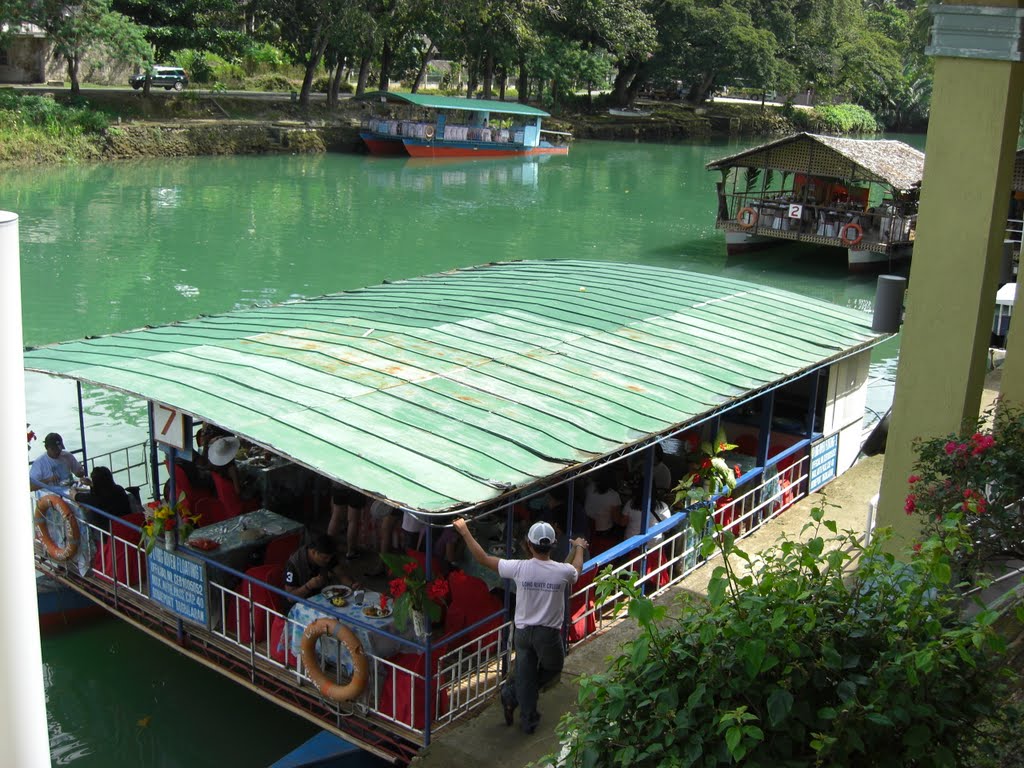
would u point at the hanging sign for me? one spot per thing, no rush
(824, 460)
(796, 210)
(178, 583)
(170, 426)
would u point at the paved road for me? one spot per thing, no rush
(159, 91)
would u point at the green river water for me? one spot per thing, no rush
(123, 245)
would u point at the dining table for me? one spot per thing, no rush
(234, 541)
(367, 629)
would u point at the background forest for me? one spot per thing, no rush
(866, 52)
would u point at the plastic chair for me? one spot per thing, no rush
(401, 697)
(747, 445)
(279, 550)
(438, 568)
(254, 588)
(183, 485)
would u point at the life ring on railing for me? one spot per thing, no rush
(360, 667)
(747, 217)
(70, 548)
(858, 233)
(428, 132)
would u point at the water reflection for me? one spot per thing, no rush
(423, 174)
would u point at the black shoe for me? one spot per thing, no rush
(529, 728)
(508, 707)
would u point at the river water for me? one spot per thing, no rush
(111, 247)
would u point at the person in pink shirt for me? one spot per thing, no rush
(540, 611)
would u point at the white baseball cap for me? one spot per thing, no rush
(541, 534)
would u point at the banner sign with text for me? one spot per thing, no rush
(178, 583)
(824, 461)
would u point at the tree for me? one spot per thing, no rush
(78, 27)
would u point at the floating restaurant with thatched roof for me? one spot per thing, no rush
(856, 194)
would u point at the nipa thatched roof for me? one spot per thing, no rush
(885, 161)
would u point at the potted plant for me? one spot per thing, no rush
(161, 521)
(709, 475)
(413, 596)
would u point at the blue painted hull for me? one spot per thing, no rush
(325, 750)
(62, 608)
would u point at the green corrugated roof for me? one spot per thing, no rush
(453, 102)
(448, 390)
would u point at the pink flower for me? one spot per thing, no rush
(982, 443)
(911, 504)
(737, 470)
(913, 479)
(437, 590)
(397, 587)
(383, 602)
(951, 447)
(410, 567)
(917, 548)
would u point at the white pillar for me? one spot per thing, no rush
(24, 739)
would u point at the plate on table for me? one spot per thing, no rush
(203, 545)
(337, 590)
(375, 612)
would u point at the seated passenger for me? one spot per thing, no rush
(56, 466)
(105, 494)
(633, 513)
(314, 566)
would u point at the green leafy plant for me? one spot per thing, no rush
(411, 591)
(710, 475)
(822, 651)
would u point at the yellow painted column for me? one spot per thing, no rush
(972, 136)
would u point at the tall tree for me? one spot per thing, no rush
(76, 27)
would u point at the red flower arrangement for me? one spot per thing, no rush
(411, 591)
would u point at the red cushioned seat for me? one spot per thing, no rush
(253, 589)
(234, 505)
(582, 618)
(119, 558)
(402, 694)
(469, 602)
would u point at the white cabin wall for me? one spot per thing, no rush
(844, 409)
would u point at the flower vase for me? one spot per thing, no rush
(169, 543)
(420, 627)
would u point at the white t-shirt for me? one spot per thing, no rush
(598, 507)
(659, 512)
(540, 590)
(411, 523)
(47, 471)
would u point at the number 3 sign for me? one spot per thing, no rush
(171, 425)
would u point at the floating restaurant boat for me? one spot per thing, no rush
(448, 126)
(468, 393)
(856, 194)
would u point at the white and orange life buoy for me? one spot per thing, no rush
(851, 234)
(360, 667)
(71, 539)
(747, 217)
(428, 132)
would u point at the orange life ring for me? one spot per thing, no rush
(428, 132)
(845, 237)
(70, 548)
(360, 667)
(747, 217)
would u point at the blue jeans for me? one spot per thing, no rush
(539, 658)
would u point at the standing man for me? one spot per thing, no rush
(540, 611)
(56, 466)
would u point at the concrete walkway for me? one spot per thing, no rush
(485, 740)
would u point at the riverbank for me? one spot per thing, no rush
(196, 123)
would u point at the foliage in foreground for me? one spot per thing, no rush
(823, 652)
(54, 119)
(979, 474)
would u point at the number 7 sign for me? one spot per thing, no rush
(171, 425)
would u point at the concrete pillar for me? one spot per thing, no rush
(972, 136)
(24, 739)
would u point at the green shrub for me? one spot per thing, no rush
(49, 116)
(263, 57)
(229, 74)
(271, 82)
(821, 652)
(198, 64)
(321, 83)
(844, 118)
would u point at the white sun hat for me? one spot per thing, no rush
(223, 450)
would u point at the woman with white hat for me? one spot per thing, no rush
(226, 477)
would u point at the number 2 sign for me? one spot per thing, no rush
(171, 425)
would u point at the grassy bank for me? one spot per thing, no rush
(106, 124)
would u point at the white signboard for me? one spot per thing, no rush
(795, 210)
(171, 426)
